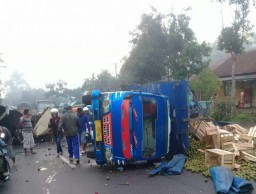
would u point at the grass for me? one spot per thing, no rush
(244, 117)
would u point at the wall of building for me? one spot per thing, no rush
(240, 87)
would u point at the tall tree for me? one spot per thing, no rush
(89, 84)
(14, 88)
(185, 55)
(164, 47)
(233, 38)
(147, 58)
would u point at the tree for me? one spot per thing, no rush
(164, 47)
(89, 84)
(147, 58)
(206, 84)
(104, 82)
(233, 38)
(14, 88)
(56, 89)
(185, 55)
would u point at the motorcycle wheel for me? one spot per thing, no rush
(8, 169)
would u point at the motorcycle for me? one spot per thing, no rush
(5, 170)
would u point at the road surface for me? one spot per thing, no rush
(45, 173)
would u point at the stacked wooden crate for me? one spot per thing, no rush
(197, 128)
(220, 142)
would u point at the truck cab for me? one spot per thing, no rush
(130, 127)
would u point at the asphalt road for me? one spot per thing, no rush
(44, 173)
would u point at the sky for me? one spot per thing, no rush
(48, 40)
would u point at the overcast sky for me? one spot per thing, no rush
(48, 40)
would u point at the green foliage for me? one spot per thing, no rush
(164, 46)
(58, 92)
(56, 88)
(185, 55)
(14, 88)
(241, 117)
(104, 82)
(221, 110)
(233, 38)
(206, 84)
(147, 59)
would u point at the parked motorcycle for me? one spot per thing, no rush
(5, 170)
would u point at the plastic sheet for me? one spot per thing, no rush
(226, 183)
(173, 167)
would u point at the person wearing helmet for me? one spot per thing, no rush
(87, 112)
(83, 130)
(53, 125)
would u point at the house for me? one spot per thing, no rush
(245, 75)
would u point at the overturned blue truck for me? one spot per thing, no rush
(142, 123)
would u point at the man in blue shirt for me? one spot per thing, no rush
(83, 130)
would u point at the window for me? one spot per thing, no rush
(149, 127)
(227, 88)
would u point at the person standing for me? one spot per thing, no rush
(69, 122)
(7, 138)
(27, 132)
(53, 125)
(83, 130)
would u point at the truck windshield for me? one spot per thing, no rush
(149, 127)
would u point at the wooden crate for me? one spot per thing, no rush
(252, 132)
(230, 147)
(197, 128)
(245, 138)
(217, 157)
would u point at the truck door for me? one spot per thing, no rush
(151, 127)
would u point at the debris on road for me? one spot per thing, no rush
(66, 161)
(125, 183)
(120, 169)
(107, 178)
(173, 167)
(42, 169)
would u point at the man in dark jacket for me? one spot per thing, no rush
(69, 122)
(53, 125)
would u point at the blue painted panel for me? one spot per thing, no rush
(177, 93)
(161, 125)
(98, 146)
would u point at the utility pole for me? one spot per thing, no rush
(116, 69)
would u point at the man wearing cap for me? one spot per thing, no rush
(69, 122)
(53, 125)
